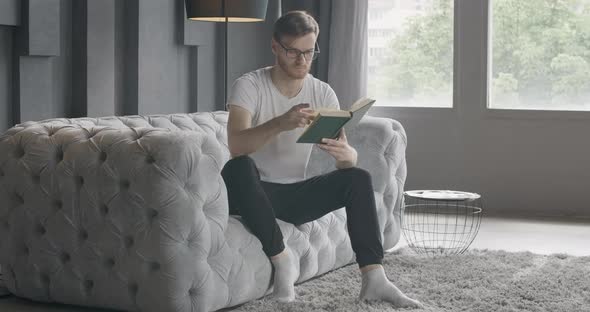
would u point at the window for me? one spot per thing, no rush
(540, 55)
(411, 52)
(376, 14)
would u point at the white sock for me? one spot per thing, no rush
(376, 286)
(284, 279)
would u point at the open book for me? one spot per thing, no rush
(327, 123)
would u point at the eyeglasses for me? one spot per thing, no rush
(309, 55)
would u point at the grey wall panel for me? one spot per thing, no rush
(163, 65)
(204, 40)
(192, 83)
(119, 66)
(248, 48)
(207, 76)
(106, 57)
(249, 44)
(6, 61)
(10, 12)
(195, 33)
(36, 88)
(79, 30)
(62, 65)
(100, 49)
(40, 30)
(130, 83)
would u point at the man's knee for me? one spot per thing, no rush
(238, 166)
(357, 176)
(357, 173)
(240, 161)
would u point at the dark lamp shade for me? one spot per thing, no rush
(236, 10)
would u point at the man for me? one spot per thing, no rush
(265, 179)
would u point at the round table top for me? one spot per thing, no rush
(442, 195)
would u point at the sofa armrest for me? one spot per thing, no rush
(381, 147)
(130, 219)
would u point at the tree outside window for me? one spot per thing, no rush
(415, 64)
(540, 54)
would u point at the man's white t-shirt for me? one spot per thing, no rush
(280, 160)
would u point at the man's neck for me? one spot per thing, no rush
(288, 86)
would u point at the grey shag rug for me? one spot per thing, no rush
(479, 280)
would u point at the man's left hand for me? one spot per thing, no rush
(345, 155)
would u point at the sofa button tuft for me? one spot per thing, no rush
(59, 154)
(109, 263)
(57, 204)
(64, 257)
(129, 242)
(155, 266)
(83, 234)
(133, 288)
(40, 229)
(104, 209)
(124, 184)
(79, 181)
(19, 200)
(88, 285)
(150, 159)
(19, 152)
(44, 279)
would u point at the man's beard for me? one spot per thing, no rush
(293, 72)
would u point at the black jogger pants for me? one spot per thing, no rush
(260, 203)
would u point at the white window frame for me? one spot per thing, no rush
(472, 70)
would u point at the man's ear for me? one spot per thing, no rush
(274, 46)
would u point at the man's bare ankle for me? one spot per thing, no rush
(370, 267)
(279, 255)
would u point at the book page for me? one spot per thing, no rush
(360, 109)
(360, 103)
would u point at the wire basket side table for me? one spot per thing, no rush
(441, 222)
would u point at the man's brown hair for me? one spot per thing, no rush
(295, 24)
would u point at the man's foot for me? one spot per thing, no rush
(376, 286)
(285, 276)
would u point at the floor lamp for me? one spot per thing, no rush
(226, 11)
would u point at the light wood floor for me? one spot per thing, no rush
(543, 236)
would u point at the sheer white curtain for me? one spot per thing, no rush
(347, 62)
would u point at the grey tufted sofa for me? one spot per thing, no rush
(131, 212)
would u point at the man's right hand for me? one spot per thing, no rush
(298, 116)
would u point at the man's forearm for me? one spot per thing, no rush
(250, 140)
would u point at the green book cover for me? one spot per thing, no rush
(327, 123)
(323, 127)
